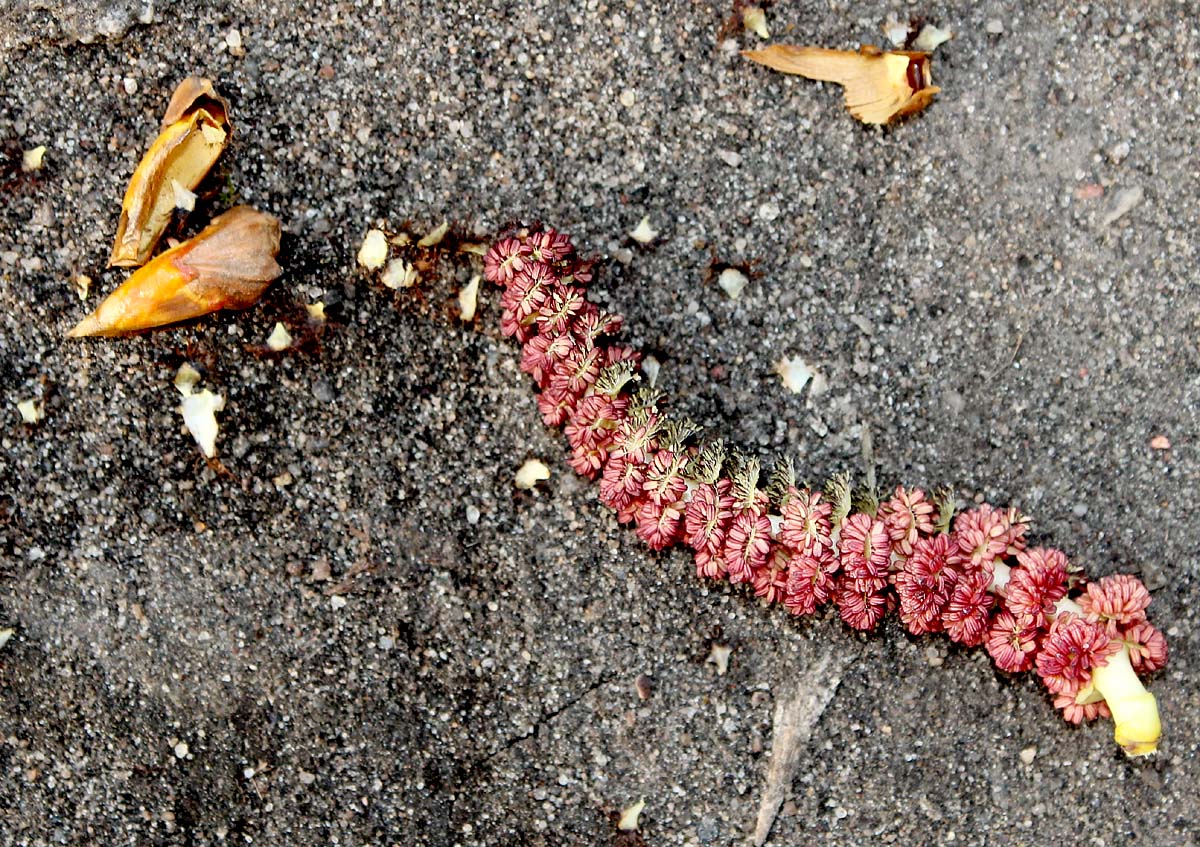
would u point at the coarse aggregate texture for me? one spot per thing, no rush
(310, 643)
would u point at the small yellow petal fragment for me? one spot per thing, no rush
(32, 410)
(530, 474)
(468, 299)
(33, 160)
(280, 338)
(794, 373)
(186, 379)
(83, 284)
(316, 312)
(374, 250)
(213, 135)
(629, 817)
(931, 38)
(184, 200)
(651, 367)
(399, 274)
(754, 19)
(435, 237)
(719, 656)
(733, 282)
(643, 233)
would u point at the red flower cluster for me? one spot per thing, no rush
(977, 582)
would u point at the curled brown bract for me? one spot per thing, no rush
(227, 266)
(880, 87)
(195, 131)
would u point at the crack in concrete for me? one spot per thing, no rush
(547, 718)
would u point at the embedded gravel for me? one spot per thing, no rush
(312, 643)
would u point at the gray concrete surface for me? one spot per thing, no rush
(956, 279)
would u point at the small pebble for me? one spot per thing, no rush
(995, 26)
(1028, 754)
(337, 602)
(472, 515)
(643, 687)
(130, 85)
(181, 750)
(768, 211)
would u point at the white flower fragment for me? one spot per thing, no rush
(280, 339)
(733, 282)
(83, 284)
(5, 634)
(530, 474)
(643, 233)
(468, 299)
(651, 367)
(930, 38)
(629, 817)
(794, 373)
(754, 19)
(435, 236)
(374, 250)
(185, 200)
(33, 160)
(896, 32)
(719, 656)
(399, 274)
(199, 412)
(32, 410)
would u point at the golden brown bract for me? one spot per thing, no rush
(195, 130)
(880, 87)
(227, 266)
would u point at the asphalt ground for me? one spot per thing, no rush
(311, 642)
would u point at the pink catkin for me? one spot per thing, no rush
(1073, 647)
(1079, 712)
(747, 544)
(983, 535)
(806, 527)
(770, 581)
(864, 548)
(861, 602)
(1147, 647)
(811, 581)
(925, 584)
(506, 258)
(1036, 584)
(1011, 642)
(908, 516)
(966, 616)
(1120, 599)
(658, 524)
(897, 559)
